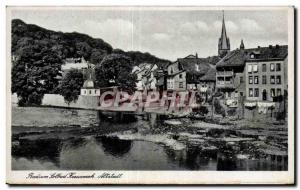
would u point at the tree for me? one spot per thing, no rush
(97, 56)
(35, 73)
(116, 70)
(70, 85)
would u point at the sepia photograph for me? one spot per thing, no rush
(119, 95)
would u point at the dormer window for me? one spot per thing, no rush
(252, 56)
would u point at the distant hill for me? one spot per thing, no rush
(72, 44)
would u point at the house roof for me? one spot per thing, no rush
(190, 65)
(210, 75)
(237, 58)
(174, 74)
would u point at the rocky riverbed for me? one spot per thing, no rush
(239, 140)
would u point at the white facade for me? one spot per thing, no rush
(90, 92)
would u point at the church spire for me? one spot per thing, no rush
(224, 43)
(242, 46)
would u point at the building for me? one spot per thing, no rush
(266, 72)
(258, 74)
(78, 63)
(196, 68)
(89, 89)
(230, 78)
(146, 79)
(161, 82)
(207, 84)
(224, 42)
(176, 77)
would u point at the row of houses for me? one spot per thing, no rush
(250, 75)
(189, 73)
(258, 74)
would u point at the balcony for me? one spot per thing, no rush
(224, 73)
(225, 84)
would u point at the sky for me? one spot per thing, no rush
(168, 34)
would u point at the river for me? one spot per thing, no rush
(108, 152)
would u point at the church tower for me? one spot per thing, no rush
(224, 43)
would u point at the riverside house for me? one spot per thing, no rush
(176, 78)
(266, 72)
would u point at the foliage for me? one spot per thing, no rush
(218, 108)
(70, 85)
(97, 56)
(116, 70)
(201, 110)
(231, 112)
(35, 73)
(64, 44)
(73, 44)
(280, 116)
(139, 57)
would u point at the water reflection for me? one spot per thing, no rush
(115, 146)
(107, 153)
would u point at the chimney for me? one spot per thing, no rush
(258, 47)
(196, 55)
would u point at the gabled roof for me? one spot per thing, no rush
(237, 58)
(210, 75)
(191, 64)
(174, 74)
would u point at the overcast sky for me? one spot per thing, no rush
(167, 34)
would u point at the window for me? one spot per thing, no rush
(278, 67)
(250, 92)
(264, 68)
(180, 76)
(264, 79)
(95, 91)
(250, 80)
(84, 92)
(272, 67)
(170, 84)
(256, 92)
(252, 56)
(180, 84)
(90, 91)
(241, 80)
(249, 68)
(278, 79)
(255, 68)
(256, 80)
(171, 70)
(278, 92)
(272, 92)
(272, 79)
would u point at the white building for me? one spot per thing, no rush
(145, 76)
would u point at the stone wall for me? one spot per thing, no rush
(86, 102)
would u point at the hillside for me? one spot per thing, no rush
(71, 44)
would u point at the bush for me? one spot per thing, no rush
(201, 110)
(218, 108)
(280, 116)
(231, 112)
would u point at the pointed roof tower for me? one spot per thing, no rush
(242, 46)
(224, 43)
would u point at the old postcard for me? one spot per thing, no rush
(150, 95)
